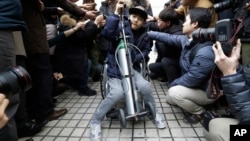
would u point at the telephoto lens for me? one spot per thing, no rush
(14, 80)
(218, 7)
(204, 34)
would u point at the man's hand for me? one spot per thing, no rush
(100, 21)
(3, 105)
(40, 5)
(90, 14)
(227, 65)
(119, 7)
(247, 6)
(88, 6)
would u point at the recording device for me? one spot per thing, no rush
(223, 5)
(226, 4)
(223, 32)
(15, 80)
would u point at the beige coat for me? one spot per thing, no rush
(183, 10)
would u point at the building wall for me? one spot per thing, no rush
(157, 5)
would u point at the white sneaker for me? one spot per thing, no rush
(95, 132)
(159, 122)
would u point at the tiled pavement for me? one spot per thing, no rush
(74, 126)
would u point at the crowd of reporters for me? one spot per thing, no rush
(35, 108)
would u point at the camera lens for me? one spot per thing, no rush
(204, 34)
(222, 5)
(14, 80)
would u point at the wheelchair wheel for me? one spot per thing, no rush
(122, 118)
(103, 82)
(151, 111)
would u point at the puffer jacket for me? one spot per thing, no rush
(111, 32)
(237, 92)
(11, 15)
(196, 73)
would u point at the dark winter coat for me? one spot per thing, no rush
(237, 92)
(139, 38)
(165, 50)
(35, 38)
(71, 54)
(196, 73)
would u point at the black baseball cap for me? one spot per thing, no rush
(139, 10)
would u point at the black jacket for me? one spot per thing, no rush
(71, 54)
(163, 49)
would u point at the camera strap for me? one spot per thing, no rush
(240, 25)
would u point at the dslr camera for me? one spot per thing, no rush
(223, 32)
(226, 4)
(14, 80)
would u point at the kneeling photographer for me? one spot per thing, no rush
(235, 83)
(231, 37)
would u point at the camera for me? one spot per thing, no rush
(223, 32)
(223, 5)
(226, 4)
(14, 80)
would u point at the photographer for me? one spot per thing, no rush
(236, 89)
(188, 91)
(4, 102)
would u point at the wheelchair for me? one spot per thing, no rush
(135, 107)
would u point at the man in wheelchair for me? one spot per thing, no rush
(134, 28)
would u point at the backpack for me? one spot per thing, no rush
(214, 88)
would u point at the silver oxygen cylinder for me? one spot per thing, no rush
(127, 73)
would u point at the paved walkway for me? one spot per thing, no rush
(74, 126)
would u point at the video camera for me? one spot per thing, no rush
(223, 32)
(14, 80)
